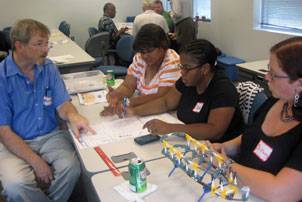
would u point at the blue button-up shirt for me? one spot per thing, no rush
(29, 107)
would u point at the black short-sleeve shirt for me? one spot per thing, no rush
(270, 154)
(195, 108)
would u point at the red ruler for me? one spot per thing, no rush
(108, 162)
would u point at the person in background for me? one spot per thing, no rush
(106, 24)
(149, 16)
(38, 161)
(152, 73)
(158, 8)
(205, 99)
(185, 28)
(268, 154)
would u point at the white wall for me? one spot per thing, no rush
(231, 30)
(81, 14)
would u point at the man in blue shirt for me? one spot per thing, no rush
(33, 151)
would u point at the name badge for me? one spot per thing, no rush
(198, 107)
(47, 100)
(263, 151)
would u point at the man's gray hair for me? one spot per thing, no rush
(24, 29)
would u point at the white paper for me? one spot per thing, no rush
(124, 190)
(113, 129)
(61, 59)
(92, 97)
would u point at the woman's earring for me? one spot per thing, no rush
(296, 100)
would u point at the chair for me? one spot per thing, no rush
(64, 27)
(124, 51)
(97, 46)
(92, 31)
(5, 38)
(251, 97)
(130, 18)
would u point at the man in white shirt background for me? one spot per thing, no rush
(149, 16)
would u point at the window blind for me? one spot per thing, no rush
(283, 15)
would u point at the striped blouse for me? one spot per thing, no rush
(167, 75)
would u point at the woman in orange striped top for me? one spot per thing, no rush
(153, 72)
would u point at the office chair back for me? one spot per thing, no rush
(5, 38)
(92, 31)
(98, 44)
(130, 18)
(124, 49)
(64, 27)
(251, 97)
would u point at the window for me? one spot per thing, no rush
(202, 9)
(282, 16)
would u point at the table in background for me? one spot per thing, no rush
(67, 55)
(257, 69)
(129, 25)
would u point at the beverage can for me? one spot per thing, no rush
(110, 80)
(137, 175)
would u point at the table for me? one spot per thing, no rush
(91, 161)
(129, 25)
(177, 188)
(67, 55)
(256, 68)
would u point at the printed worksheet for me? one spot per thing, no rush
(116, 129)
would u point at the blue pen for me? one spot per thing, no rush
(125, 104)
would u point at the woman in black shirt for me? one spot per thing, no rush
(205, 99)
(269, 153)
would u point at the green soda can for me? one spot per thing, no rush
(137, 175)
(110, 78)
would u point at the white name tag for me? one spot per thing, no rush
(263, 151)
(198, 107)
(47, 101)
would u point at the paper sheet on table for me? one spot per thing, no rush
(124, 190)
(114, 129)
(92, 97)
(61, 59)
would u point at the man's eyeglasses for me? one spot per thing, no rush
(274, 76)
(42, 45)
(186, 68)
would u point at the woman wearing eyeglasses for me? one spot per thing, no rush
(205, 99)
(153, 72)
(269, 153)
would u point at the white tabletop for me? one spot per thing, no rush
(129, 25)
(177, 188)
(66, 53)
(258, 68)
(90, 159)
(92, 162)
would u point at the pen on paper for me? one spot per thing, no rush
(125, 105)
